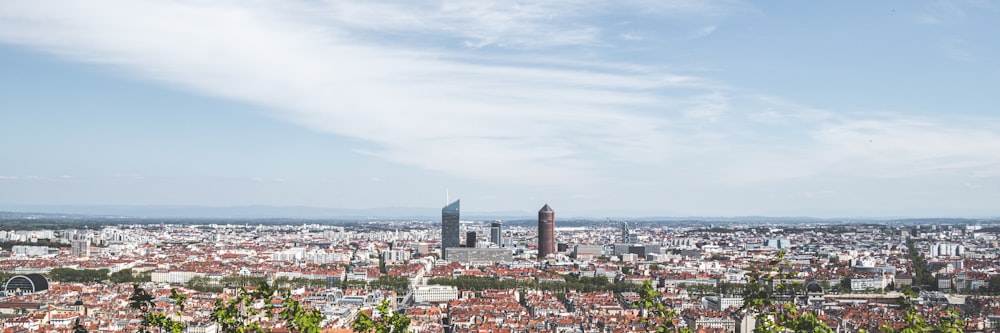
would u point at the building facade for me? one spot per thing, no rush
(470, 239)
(546, 231)
(478, 256)
(496, 233)
(450, 226)
(80, 248)
(434, 293)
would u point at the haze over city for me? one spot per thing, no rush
(599, 108)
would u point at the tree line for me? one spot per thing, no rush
(580, 284)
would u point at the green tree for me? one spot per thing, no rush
(77, 327)
(239, 314)
(126, 276)
(845, 284)
(204, 284)
(915, 323)
(383, 321)
(78, 275)
(656, 316)
(142, 302)
(760, 298)
(994, 285)
(300, 319)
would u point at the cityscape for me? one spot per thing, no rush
(455, 275)
(504, 166)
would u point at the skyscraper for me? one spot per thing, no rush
(629, 236)
(496, 233)
(624, 232)
(546, 231)
(470, 239)
(450, 226)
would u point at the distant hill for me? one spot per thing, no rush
(252, 212)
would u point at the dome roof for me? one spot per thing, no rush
(27, 283)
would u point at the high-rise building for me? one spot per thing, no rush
(80, 248)
(624, 232)
(546, 231)
(496, 233)
(629, 236)
(450, 226)
(470, 239)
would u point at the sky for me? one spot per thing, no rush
(598, 108)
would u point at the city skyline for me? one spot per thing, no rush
(658, 108)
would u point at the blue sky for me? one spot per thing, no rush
(624, 108)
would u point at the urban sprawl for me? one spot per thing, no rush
(457, 275)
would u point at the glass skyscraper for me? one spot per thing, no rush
(496, 233)
(450, 226)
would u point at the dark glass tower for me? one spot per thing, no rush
(496, 236)
(450, 227)
(470, 239)
(546, 231)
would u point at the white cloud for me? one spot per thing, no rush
(33, 178)
(377, 71)
(419, 106)
(632, 36)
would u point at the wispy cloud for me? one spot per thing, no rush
(421, 106)
(412, 81)
(31, 178)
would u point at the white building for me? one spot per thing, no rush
(29, 251)
(722, 303)
(434, 293)
(395, 256)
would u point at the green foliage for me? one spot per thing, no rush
(760, 298)
(384, 321)
(129, 276)
(656, 316)
(142, 302)
(397, 283)
(300, 319)
(78, 275)
(6, 246)
(242, 281)
(239, 314)
(845, 284)
(950, 323)
(994, 285)
(764, 287)
(922, 277)
(77, 327)
(204, 284)
(284, 283)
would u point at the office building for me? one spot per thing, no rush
(496, 233)
(778, 243)
(434, 294)
(546, 231)
(470, 239)
(629, 236)
(450, 226)
(80, 248)
(478, 256)
(588, 251)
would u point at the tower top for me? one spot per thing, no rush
(454, 206)
(546, 208)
